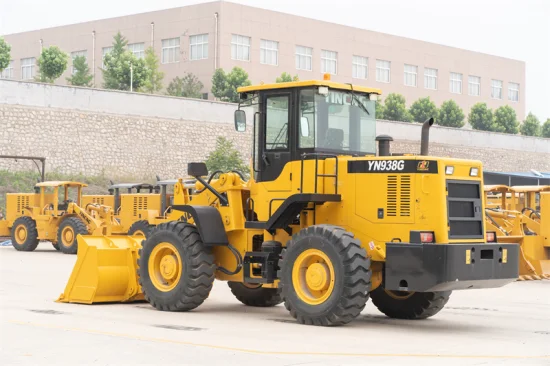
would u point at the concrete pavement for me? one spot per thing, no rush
(506, 326)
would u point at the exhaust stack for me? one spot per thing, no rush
(425, 139)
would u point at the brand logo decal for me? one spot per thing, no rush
(423, 166)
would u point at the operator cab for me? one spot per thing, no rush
(294, 120)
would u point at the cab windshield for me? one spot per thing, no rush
(341, 121)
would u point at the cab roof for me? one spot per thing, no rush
(305, 83)
(59, 183)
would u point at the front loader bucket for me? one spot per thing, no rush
(534, 259)
(105, 271)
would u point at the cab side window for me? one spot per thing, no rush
(276, 126)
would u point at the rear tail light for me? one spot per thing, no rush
(426, 237)
(491, 237)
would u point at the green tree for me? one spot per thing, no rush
(81, 76)
(286, 77)
(121, 66)
(531, 126)
(450, 115)
(189, 86)
(224, 85)
(380, 111)
(52, 63)
(506, 120)
(545, 130)
(481, 118)
(423, 109)
(5, 50)
(153, 82)
(225, 157)
(396, 108)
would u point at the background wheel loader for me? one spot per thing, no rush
(323, 224)
(54, 213)
(519, 223)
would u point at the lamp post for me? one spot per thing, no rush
(131, 78)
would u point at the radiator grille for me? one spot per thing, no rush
(22, 202)
(140, 203)
(464, 209)
(398, 200)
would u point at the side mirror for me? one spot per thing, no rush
(240, 120)
(304, 126)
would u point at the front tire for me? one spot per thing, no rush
(67, 232)
(256, 296)
(325, 276)
(409, 305)
(176, 269)
(24, 235)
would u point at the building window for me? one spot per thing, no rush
(455, 83)
(329, 62)
(198, 47)
(360, 67)
(383, 69)
(513, 92)
(138, 49)
(430, 78)
(269, 52)
(76, 54)
(496, 89)
(240, 47)
(7, 73)
(474, 86)
(104, 51)
(27, 68)
(411, 75)
(304, 57)
(170, 50)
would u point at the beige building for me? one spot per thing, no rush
(201, 38)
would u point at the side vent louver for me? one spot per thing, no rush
(140, 203)
(399, 196)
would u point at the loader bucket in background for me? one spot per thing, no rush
(105, 271)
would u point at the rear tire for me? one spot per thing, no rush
(67, 234)
(24, 236)
(407, 305)
(141, 227)
(255, 296)
(325, 276)
(175, 268)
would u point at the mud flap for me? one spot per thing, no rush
(105, 270)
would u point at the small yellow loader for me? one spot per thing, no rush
(529, 228)
(50, 214)
(324, 224)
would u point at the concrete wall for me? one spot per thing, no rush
(127, 134)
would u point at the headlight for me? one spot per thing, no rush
(449, 170)
(474, 172)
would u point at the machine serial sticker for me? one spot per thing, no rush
(393, 166)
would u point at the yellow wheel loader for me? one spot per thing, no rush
(530, 228)
(323, 224)
(40, 216)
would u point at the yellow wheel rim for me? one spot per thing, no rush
(399, 295)
(67, 236)
(20, 234)
(313, 277)
(138, 233)
(165, 267)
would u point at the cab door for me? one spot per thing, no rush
(275, 141)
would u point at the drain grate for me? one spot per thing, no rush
(45, 311)
(179, 327)
(468, 308)
(291, 321)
